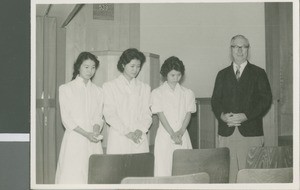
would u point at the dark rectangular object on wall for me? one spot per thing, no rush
(103, 11)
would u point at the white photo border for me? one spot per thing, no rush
(294, 185)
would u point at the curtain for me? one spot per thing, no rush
(45, 103)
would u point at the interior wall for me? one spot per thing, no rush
(199, 34)
(84, 33)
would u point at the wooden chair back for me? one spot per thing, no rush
(270, 175)
(111, 169)
(202, 177)
(270, 157)
(214, 161)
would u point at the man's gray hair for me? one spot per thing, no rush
(239, 36)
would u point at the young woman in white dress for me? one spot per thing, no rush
(81, 104)
(173, 104)
(126, 107)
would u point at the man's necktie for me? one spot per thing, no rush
(237, 73)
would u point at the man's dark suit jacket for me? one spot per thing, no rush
(250, 95)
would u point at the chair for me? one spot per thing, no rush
(111, 169)
(189, 178)
(215, 162)
(270, 175)
(270, 157)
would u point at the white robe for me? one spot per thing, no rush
(80, 105)
(174, 104)
(126, 108)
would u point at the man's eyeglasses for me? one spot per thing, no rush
(238, 47)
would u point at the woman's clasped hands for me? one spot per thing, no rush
(177, 137)
(135, 136)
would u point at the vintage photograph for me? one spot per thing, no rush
(181, 95)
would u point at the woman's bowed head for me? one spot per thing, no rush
(131, 62)
(172, 70)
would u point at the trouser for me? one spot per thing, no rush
(238, 146)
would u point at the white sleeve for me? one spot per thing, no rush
(110, 111)
(98, 114)
(156, 105)
(190, 101)
(65, 106)
(144, 120)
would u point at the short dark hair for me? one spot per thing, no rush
(129, 55)
(172, 63)
(80, 59)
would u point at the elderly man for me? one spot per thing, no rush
(241, 97)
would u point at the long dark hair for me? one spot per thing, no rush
(80, 59)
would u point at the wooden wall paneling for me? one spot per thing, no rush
(202, 127)
(207, 124)
(279, 63)
(154, 71)
(272, 47)
(270, 125)
(194, 128)
(286, 68)
(271, 120)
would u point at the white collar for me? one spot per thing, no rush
(242, 66)
(80, 80)
(129, 83)
(167, 86)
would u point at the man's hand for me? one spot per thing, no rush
(233, 119)
(237, 118)
(225, 117)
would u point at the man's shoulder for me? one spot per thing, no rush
(226, 70)
(255, 68)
